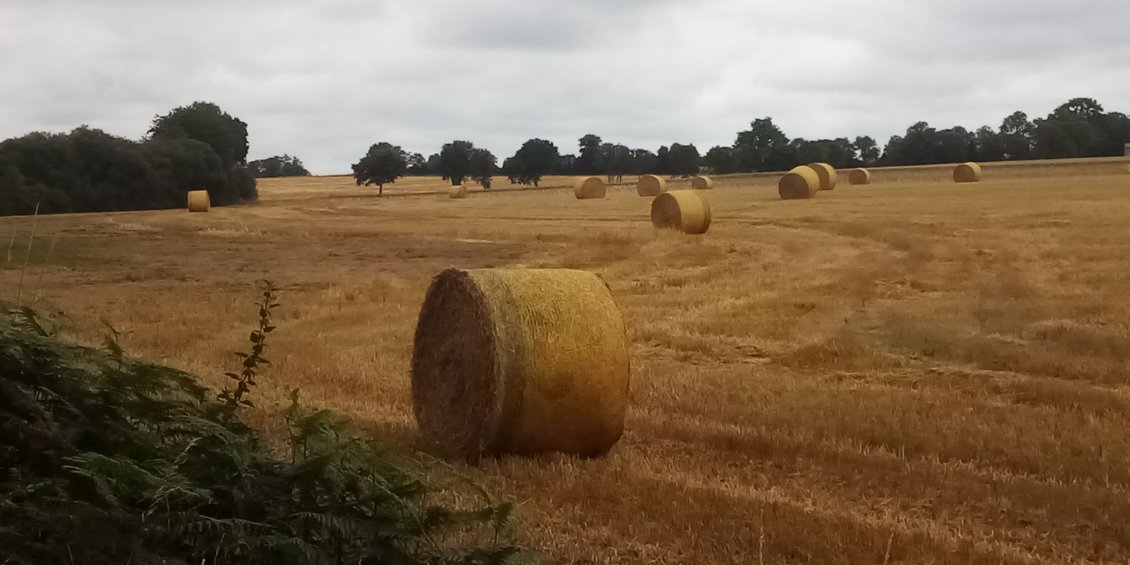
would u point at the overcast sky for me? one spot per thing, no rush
(325, 79)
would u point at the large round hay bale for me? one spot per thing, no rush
(702, 183)
(859, 176)
(683, 210)
(967, 172)
(520, 361)
(589, 187)
(198, 201)
(457, 191)
(651, 185)
(801, 182)
(827, 174)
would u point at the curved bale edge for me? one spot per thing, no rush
(967, 172)
(683, 210)
(589, 187)
(859, 176)
(702, 183)
(651, 185)
(799, 183)
(827, 174)
(199, 201)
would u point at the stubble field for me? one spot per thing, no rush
(908, 372)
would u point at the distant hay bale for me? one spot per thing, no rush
(827, 174)
(859, 176)
(457, 191)
(801, 182)
(520, 361)
(702, 183)
(683, 210)
(651, 185)
(967, 172)
(589, 187)
(198, 201)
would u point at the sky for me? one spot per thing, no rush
(323, 80)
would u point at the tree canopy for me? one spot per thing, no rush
(382, 164)
(277, 166)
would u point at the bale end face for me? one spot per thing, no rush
(799, 183)
(967, 172)
(521, 362)
(859, 176)
(199, 201)
(589, 187)
(702, 183)
(683, 210)
(651, 185)
(459, 191)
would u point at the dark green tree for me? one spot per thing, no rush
(763, 147)
(683, 160)
(277, 166)
(535, 159)
(383, 163)
(205, 121)
(617, 160)
(866, 150)
(483, 165)
(588, 161)
(1016, 136)
(719, 160)
(418, 165)
(454, 161)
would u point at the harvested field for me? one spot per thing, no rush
(918, 372)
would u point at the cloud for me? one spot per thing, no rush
(325, 80)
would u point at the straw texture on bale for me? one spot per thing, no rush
(651, 185)
(520, 362)
(827, 174)
(458, 191)
(683, 210)
(702, 183)
(801, 182)
(967, 172)
(589, 187)
(198, 201)
(859, 176)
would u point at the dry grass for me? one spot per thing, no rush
(920, 372)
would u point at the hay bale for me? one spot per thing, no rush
(199, 201)
(589, 187)
(651, 185)
(859, 176)
(827, 174)
(457, 191)
(683, 210)
(520, 361)
(967, 172)
(702, 183)
(801, 182)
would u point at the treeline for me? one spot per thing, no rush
(1078, 128)
(277, 166)
(88, 170)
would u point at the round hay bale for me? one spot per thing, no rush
(801, 182)
(967, 172)
(521, 362)
(651, 185)
(859, 176)
(457, 191)
(589, 187)
(827, 174)
(198, 201)
(702, 183)
(683, 210)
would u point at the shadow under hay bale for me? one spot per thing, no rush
(589, 187)
(702, 183)
(827, 174)
(859, 176)
(801, 182)
(967, 172)
(683, 210)
(651, 185)
(458, 191)
(520, 361)
(199, 201)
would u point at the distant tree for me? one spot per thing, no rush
(683, 160)
(617, 160)
(642, 161)
(719, 160)
(535, 159)
(433, 164)
(483, 165)
(417, 165)
(662, 161)
(277, 166)
(205, 121)
(836, 152)
(454, 162)
(1016, 136)
(763, 147)
(990, 145)
(383, 163)
(866, 150)
(588, 161)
